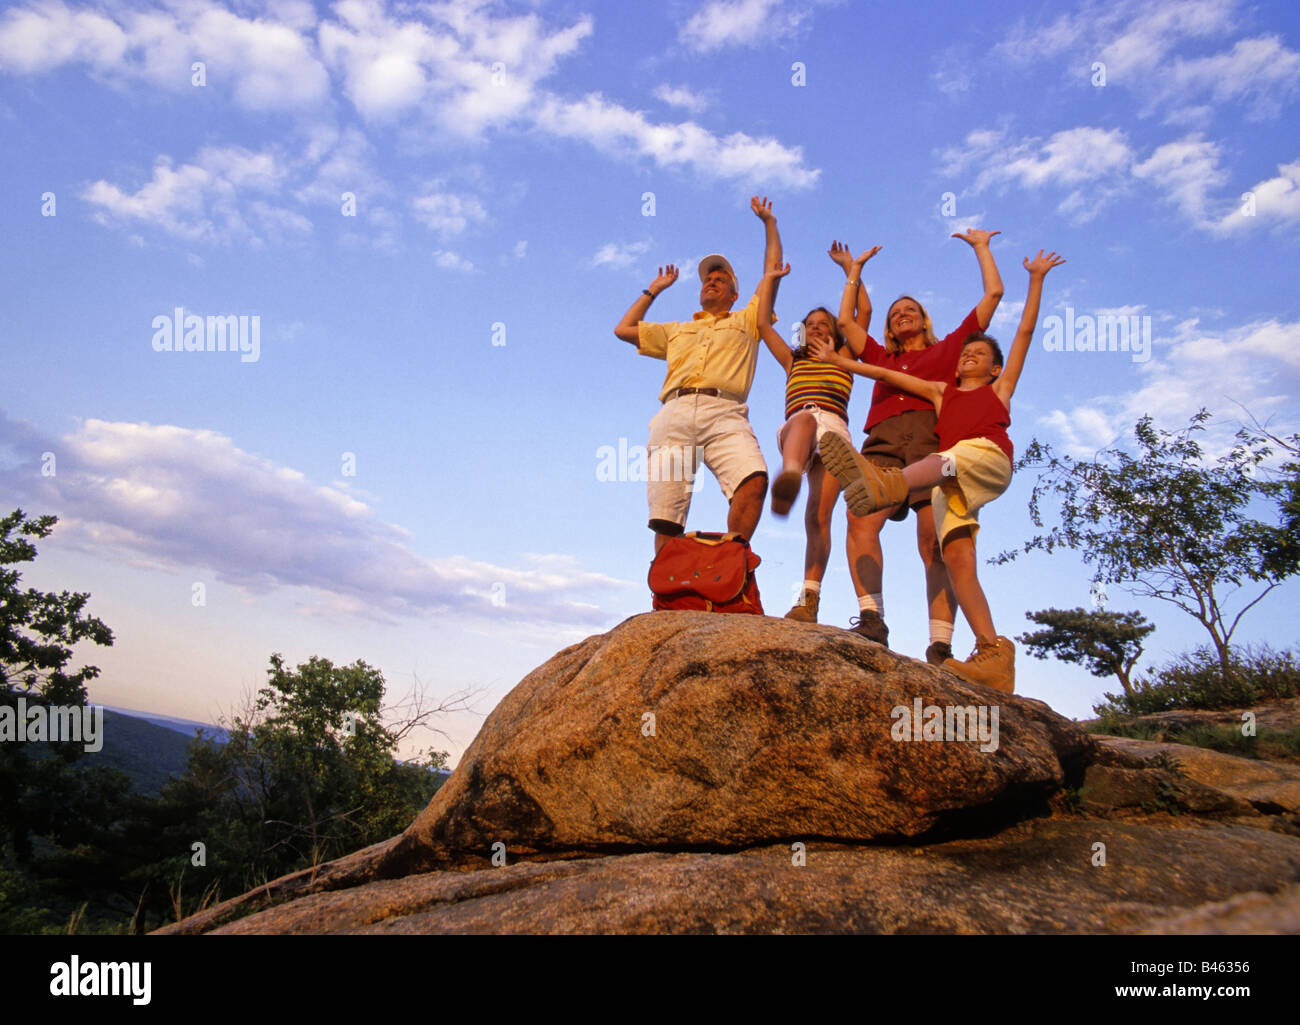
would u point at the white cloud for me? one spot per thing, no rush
(448, 213)
(448, 259)
(1139, 43)
(618, 254)
(201, 201)
(1276, 202)
(1092, 163)
(521, 249)
(270, 65)
(731, 23)
(680, 96)
(615, 130)
(155, 492)
(1185, 171)
(1256, 366)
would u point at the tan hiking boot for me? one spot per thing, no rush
(805, 610)
(871, 625)
(992, 664)
(938, 653)
(866, 487)
(785, 491)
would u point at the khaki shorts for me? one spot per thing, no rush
(982, 472)
(900, 441)
(692, 429)
(826, 421)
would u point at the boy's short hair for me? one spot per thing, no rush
(980, 336)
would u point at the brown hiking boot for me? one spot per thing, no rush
(785, 491)
(871, 625)
(805, 610)
(866, 487)
(938, 653)
(992, 664)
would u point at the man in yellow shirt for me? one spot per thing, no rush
(704, 416)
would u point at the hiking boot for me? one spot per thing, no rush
(871, 625)
(785, 491)
(866, 487)
(992, 664)
(805, 610)
(938, 653)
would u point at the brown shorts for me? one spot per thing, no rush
(902, 440)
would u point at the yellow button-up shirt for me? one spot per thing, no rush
(708, 351)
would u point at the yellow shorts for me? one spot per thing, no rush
(980, 473)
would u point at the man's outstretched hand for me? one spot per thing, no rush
(667, 275)
(762, 209)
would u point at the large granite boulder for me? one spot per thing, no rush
(697, 772)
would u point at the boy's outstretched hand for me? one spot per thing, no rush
(1041, 264)
(762, 209)
(667, 275)
(822, 349)
(976, 236)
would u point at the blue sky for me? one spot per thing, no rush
(438, 212)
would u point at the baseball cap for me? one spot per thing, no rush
(714, 261)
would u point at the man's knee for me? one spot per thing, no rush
(753, 486)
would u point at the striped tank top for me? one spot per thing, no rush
(812, 382)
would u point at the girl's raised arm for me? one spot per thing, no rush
(855, 306)
(1038, 267)
(988, 304)
(766, 296)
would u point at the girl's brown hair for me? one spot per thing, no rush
(802, 351)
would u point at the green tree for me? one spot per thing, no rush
(1106, 643)
(307, 773)
(1166, 523)
(37, 632)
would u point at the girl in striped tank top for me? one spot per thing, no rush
(816, 401)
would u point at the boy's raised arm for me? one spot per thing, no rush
(988, 304)
(766, 293)
(628, 328)
(929, 390)
(772, 255)
(1038, 267)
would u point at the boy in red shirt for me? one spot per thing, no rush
(972, 467)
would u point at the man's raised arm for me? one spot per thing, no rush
(628, 328)
(773, 257)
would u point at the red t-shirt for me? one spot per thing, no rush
(974, 413)
(938, 362)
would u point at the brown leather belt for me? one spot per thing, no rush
(715, 392)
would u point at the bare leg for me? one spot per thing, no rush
(799, 441)
(866, 560)
(938, 588)
(823, 492)
(959, 555)
(747, 506)
(926, 473)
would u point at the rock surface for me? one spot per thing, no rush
(690, 772)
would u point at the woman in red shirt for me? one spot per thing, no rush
(901, 430)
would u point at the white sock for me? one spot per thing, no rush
(940, 632)
(813, 585)
(872, 603)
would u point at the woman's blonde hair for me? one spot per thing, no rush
(892, 344)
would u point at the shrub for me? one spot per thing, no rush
(1196, 680)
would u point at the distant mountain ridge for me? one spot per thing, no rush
(185, 726)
